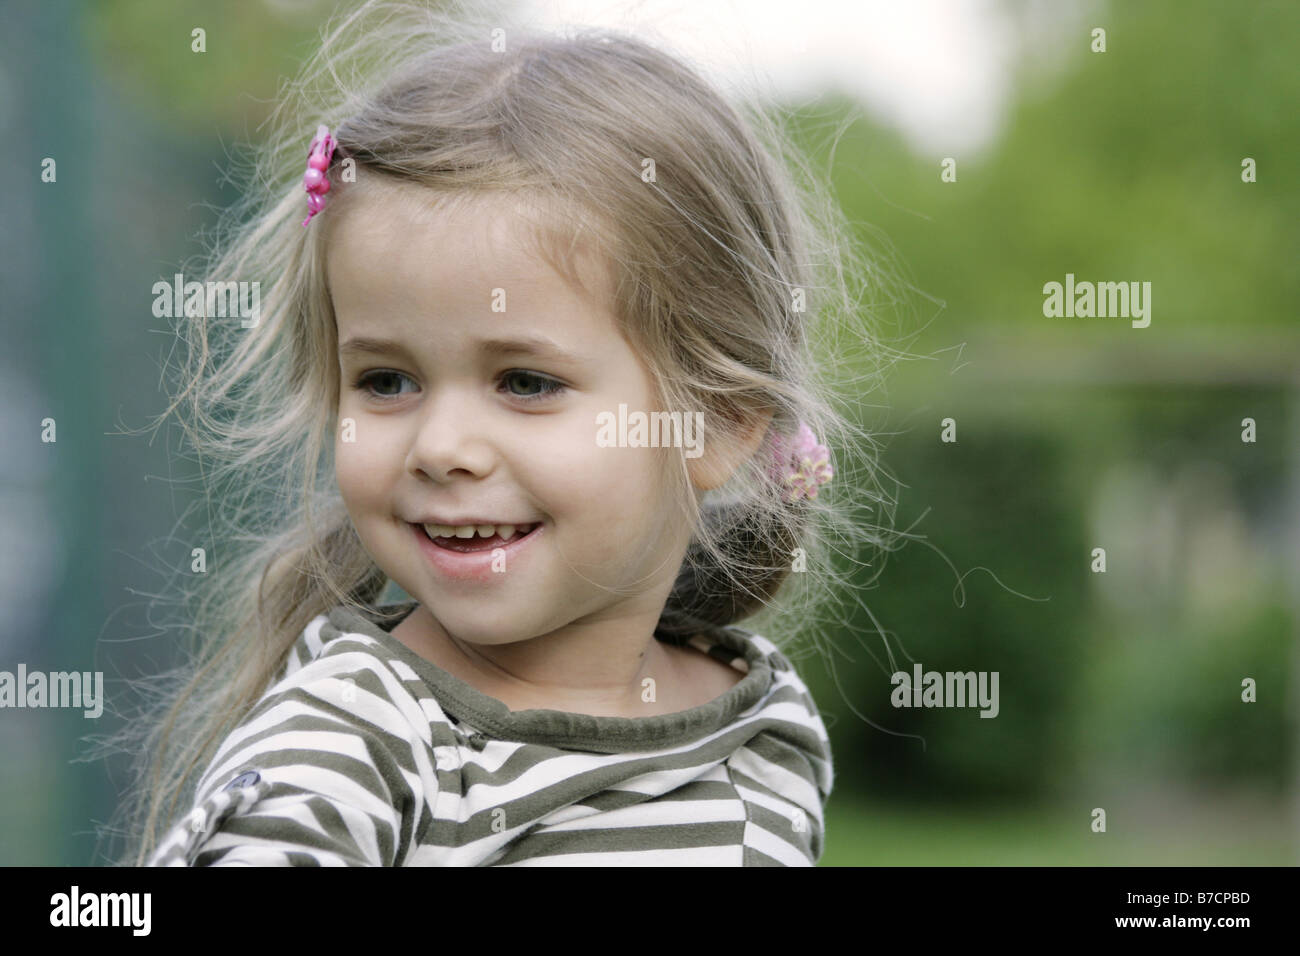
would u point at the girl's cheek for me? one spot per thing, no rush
(619, 482)
(344, 473)
(361, 437)
(355, 467)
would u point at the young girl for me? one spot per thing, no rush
(541, 354)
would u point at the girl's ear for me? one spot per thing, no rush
(723, 452)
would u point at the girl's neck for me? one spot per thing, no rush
(682, 677)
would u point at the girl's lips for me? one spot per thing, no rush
(476, 543)
(474, 559)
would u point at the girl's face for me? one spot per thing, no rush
(452, 412)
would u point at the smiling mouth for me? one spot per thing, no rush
(478, 541)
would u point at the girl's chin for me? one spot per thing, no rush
(474, 629)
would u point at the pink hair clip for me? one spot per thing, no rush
(802, 466)
(315, 181)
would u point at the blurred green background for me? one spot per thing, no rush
(1119, 690)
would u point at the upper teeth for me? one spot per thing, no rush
(469, 530)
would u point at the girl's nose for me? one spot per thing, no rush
(451, 440)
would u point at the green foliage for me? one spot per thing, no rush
(1125, 166)
(145, 48)
(993, 525)
(1116, 166)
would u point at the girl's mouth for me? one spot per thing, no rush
(481, 558)
(484, 537)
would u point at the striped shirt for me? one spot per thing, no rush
(363, 753)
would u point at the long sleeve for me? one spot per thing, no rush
(326, 770)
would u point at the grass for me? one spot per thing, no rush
(1138, 834)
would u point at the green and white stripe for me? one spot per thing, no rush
(365, 754)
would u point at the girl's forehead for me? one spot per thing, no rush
(396, 216)
(389, 235)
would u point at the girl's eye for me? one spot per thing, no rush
(534, 387)
(366, 380)
(527, 386)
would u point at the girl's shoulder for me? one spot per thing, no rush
(339, 663)
(743, 648)
(343, 632)
(356, 678)
(321, 640)
(788, 710)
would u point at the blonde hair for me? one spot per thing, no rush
(712, 256)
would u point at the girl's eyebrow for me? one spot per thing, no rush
(361, 344)
(536, 345)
